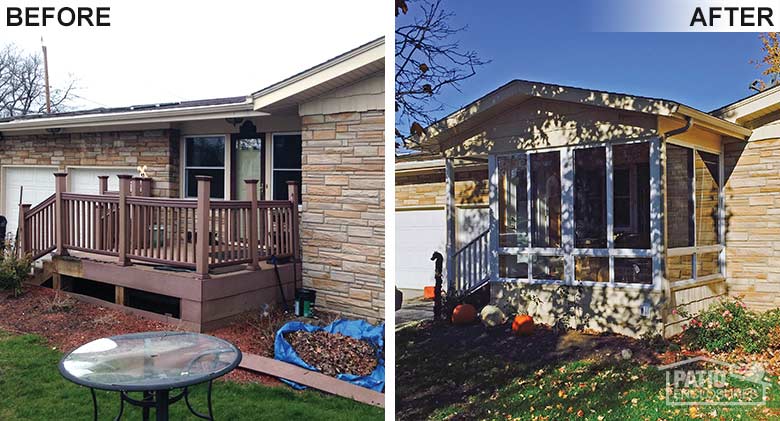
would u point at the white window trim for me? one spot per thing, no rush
(567, 154)
(695, 250)
(183, 164)
(272, 170)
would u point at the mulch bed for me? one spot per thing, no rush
(67, 323)
(334, 353)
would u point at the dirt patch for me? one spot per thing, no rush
(67, 323)
(334, 353)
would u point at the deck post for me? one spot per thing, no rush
(22, 235)
(102, 184)
(251, 192)
(449, 195)
(60, 186)
(293, 191)
(124, 219)
(202, 227)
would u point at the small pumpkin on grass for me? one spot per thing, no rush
(464, 314)
(523, 325)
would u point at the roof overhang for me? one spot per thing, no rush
(345, 69)
(751, 108)
(518, 91)
(208, 112)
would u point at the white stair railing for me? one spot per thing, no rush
(471, 265)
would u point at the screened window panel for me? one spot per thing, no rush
(548, 268)
(546, 199)
(679, 197)
(590, 198)
(593, 269)
(631, 196)
(513, 202)
(513, 266)
(634, 270)
(707, 189)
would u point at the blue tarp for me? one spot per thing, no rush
(357, 329)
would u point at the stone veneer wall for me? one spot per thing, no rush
(753, 221)
(343, 218)
(471, 187)
(157, 149)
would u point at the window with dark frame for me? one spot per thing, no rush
(287, 151)
(204, 155)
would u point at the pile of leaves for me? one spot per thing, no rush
(334, 353)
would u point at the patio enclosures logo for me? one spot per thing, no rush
(684, 16)
(704, 381)
(60, 16)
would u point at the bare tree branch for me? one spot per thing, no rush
(428, 61)
(23, 88)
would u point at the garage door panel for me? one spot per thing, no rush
(418, 235)
(38, 183)
(85, 180)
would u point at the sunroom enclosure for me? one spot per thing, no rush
(632, 215)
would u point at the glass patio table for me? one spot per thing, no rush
(153, 363)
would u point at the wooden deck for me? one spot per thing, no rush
(212, 256)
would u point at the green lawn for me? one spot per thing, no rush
(453, 373)
(31, 388)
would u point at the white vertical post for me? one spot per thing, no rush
(657, 212)
(529, 224)
(493, 201)
(567, 212)
(722, 210)
(610, 211)
(449, 178)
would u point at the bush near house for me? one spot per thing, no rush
(13, 269)
(729, 325)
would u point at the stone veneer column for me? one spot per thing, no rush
(343, 218)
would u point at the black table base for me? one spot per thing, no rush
(160, 400)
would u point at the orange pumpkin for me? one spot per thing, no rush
(523, 325)
(429, 293)
(464, 314)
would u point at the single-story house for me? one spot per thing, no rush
(605, 210)
(218, 168)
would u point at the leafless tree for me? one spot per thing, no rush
(427, 60)
(23, 87)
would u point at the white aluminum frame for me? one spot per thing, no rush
(695, 250)
(568, 251)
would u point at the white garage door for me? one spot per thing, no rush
(85, 180)
(38, 184)
(418, 234)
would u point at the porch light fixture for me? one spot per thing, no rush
(235, 121)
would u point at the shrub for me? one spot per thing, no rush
(729, 325)
(13, 269)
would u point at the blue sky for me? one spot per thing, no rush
(551, 42)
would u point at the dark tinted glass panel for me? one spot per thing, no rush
(205, 152)
(546, 199)
(707, 188)
(511, 266)
(512, 202)
(590, 198)
(287, 151)
(631, 198)
(217, 182)
(634, 271)
(679, 197)
(280, 183)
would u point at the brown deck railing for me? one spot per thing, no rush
(197, 234)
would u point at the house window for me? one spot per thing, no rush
(204, 155)
(693, 209)
(286, 159)
(577, 213)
